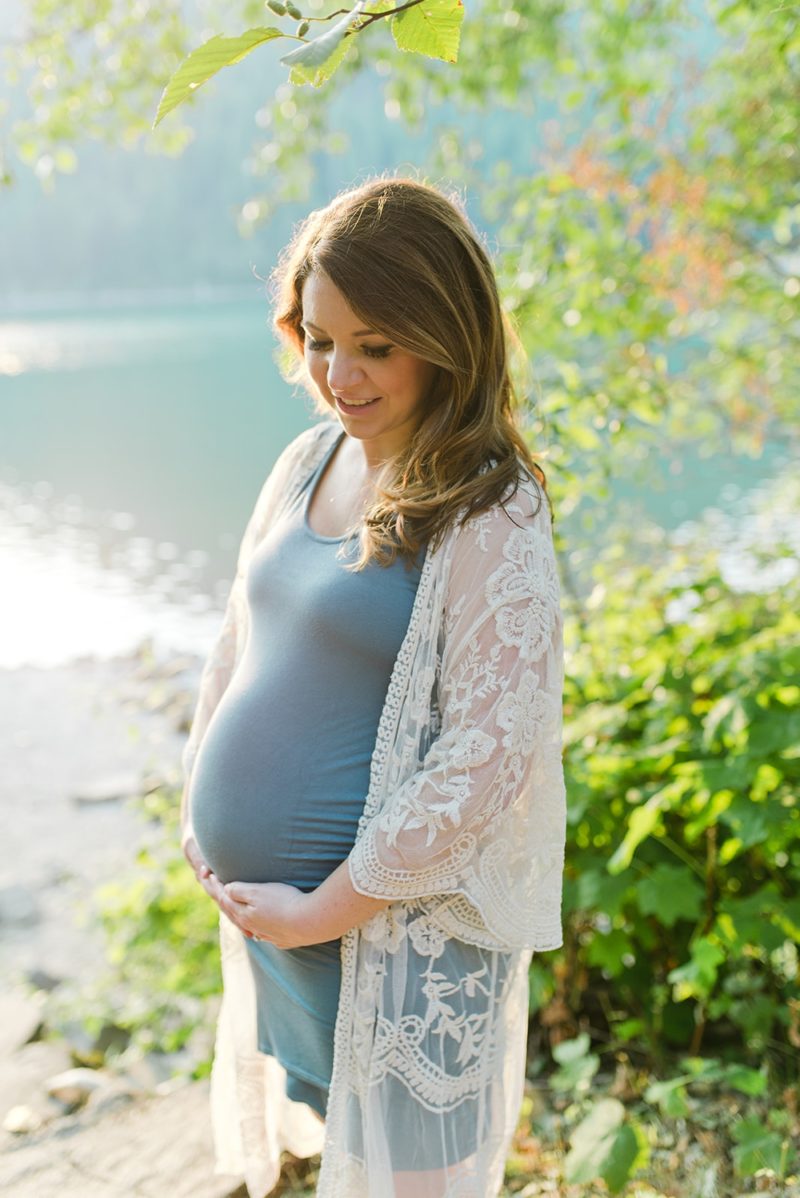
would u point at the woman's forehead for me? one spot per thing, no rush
(324, 306)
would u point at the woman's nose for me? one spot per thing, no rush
(343, 371)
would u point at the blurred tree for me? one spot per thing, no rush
(88, 69)
(637, 165)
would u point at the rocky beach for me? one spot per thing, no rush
(84, 741)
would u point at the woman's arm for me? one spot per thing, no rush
(484, 815)
(288, 918)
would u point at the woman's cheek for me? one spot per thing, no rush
(317, 376)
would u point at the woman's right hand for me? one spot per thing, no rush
(203, 871)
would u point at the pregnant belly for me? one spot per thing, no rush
(264, 810)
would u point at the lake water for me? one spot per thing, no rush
(135, 434)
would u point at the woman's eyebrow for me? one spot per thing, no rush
(358, 333)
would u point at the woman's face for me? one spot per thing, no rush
(350, 364)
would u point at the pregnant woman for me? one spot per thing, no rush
(374, 793)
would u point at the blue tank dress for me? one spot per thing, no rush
(282, 773)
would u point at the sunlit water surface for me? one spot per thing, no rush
(134, 438)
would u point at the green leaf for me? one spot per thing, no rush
(599, 890)
(317, 75)
(749, 821)
(629, 1029)
(621, 1159)
(578, 1065)
(311, 55)
(727, 711)
(703, 1069)
(748, 1081)
(671, 892)
(572, 1050)
(576, 1076)
(593, 1141)
(432, 27)
(669, 1096)
(768, 778)
(641, 824)
(607, 950)
(696, 978)
(758, 1148)
(205, 61)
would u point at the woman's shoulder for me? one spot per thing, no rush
(505, 554)
(524, 501)
(301, 454)
(515, 529)
(299, 457)
(310, 441)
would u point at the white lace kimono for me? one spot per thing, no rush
(463, 826)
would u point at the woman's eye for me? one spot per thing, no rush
(371, 351)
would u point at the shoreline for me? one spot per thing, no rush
(86, 739)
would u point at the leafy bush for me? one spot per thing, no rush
(162, 951)
(682, 730)
(696, 1133)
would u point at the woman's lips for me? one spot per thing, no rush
(354, 408)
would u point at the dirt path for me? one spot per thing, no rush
(155, 1147)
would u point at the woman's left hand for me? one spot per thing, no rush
(269, 911)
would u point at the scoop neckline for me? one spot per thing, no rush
(311, 491)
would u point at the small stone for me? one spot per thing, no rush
(73, 1086)
(110, 1096)
(18, 906)
(40, 979)
(21, 1120)
(24, 1072)
(112, 1039)
(149, 1072)
(108, 790)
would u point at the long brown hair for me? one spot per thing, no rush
(410, 265)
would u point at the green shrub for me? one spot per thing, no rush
(682, 731)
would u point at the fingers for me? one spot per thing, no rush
(237, 891)
(193, 855)
(229, 897)
(235, 912)
(212, 886)
(195, 858)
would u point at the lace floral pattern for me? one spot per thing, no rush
(463, 828)
(477, 791)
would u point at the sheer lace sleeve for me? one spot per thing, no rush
(226, 652)
(221, 660)
(484, 815)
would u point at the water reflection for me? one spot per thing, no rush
(75, 585)
(158, 417)
(70, 344)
